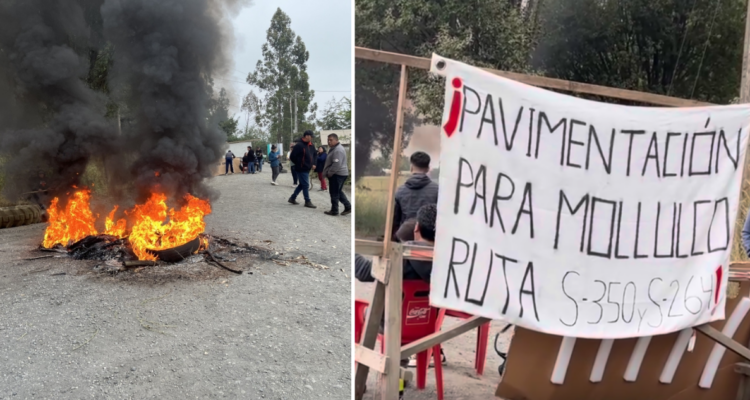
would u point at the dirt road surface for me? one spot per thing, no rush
(282, 332)
(460, 380)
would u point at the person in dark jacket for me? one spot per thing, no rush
(303, 158)
(320, 166)
(259, 157)
(418, 191)
(229, 158)
(273, 159)
(424, 235)
(250, 160)
(243, 163)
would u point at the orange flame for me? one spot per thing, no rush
(113, 228)
(151, 229)
(73, 223)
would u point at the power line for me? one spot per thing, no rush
(316, 91)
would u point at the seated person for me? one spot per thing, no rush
(424, 235)
(405, 232)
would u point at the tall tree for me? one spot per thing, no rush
(282, 77)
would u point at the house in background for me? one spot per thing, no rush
(345, 137)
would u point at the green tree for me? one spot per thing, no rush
(688, 49)
(219, 115)
(219, 108)
(229, 126)
(336, 115)
(488, 33)
(345, 113)
(282, 78)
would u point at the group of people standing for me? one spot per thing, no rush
(252, 161)
(329, 165)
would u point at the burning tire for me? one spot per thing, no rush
(20, 215)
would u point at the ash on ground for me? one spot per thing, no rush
(112, 254)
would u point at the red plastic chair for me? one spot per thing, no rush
(483, 337)
(360, 309)
(418, 319)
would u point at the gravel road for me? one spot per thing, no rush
(282, 332)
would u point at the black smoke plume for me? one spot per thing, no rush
(165, 54)
(49, 118)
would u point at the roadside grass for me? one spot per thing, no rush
(369, 218)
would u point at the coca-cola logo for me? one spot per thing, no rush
(418, 313)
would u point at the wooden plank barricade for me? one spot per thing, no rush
(542, 366)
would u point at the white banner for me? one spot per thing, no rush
(584, 219)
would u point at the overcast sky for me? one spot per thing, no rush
(325, 28)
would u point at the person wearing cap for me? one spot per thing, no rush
(303, 158)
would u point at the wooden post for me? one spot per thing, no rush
(387, 298)
(396, 162)
(369, 337)
(389, 382)
(744, 98)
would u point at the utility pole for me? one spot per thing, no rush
(291, 125)
(295, 112)
(745, 81)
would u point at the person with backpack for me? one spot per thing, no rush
(303, 157)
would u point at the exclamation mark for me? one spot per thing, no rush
(455, 111)
(719, 273)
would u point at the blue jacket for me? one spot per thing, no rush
(273, 158)
(321, 163)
